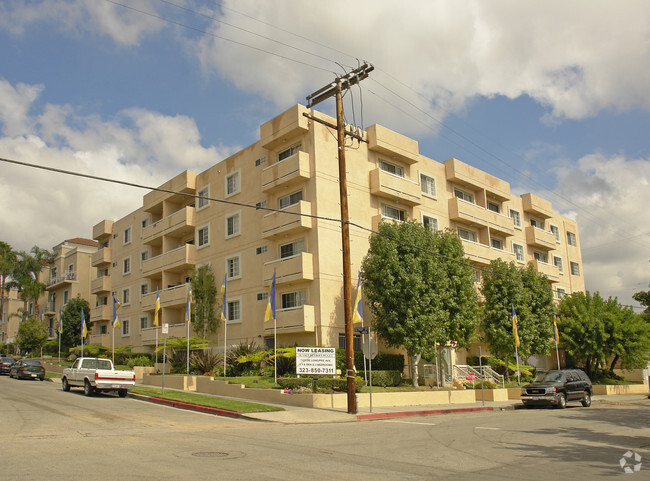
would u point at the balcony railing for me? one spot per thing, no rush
(468, 213)
(540, 238)
(101, 313)
(292, 219)
(102, 257)
(291, 269)
(67, 277)
(299, 319)
(148, 334)
(172, 296)
(181, 258)
(394, 187)
(100, 284)
(484, 254)
(290, 171)
(178, 224)
(549, 270)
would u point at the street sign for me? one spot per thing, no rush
(362, 330)
(470, 377)
(165, 328)
(315, 360)
(369, 348)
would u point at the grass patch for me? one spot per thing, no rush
(210, 401)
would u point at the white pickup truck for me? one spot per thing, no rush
(95, 374)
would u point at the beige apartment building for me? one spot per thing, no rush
(221, 217)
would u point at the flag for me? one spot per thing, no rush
(156, 309)
(514, 326)
(84, 330)
(116, 320)
(269, 315)
(556, 334)
(60, 326)
(41, 318)
(224, 303)
(357, 316)
(188, 305)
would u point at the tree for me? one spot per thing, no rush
(643, 298)
(8, 260)
(505, 285)
(25, 276)
(204, 292)
(71, 335)
(419, 289)
(31, 335)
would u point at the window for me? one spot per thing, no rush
(393, 213)
(477, 276)
(144, 322)
(232, 225)
(537, 223)
(575, 269)
(145, 222)
(234, 310)
(540, 257)
(232, 267)
(126, 266)
(203, 236)
(431, 223)
(518, 249)
(125, 327)
(289, 200)
(261, 250)
(356, 342)
(292, 249)
(126, 296)
(285, 154)
(292, 300)
(144, 289)
(466, 196)
(391, 168)
(496, 244)
(428, 185)
(556, 231)
(103, 329)
(233, 184)
(467, 235)
(66, 296)
(560, 292)
(262, 296)
(494, 207)
(202, 197)
(557, 262)
(571, 239)
(144, 255)
(127, 236)
(269, 342)
(260, 205)
(260, 161)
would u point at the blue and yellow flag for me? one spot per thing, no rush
(60, 325)
(556, 334)
(188, 304)
(515, 332)
(269, 315)
(84, 329)
(116, 320)
(156, 309)
(357, 316)
(224, 302)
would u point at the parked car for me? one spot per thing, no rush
(27, 369)
(96, 374)
(558, 387)
(5, 364)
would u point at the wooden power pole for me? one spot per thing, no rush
(336, 88)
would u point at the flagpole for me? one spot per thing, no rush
(225, 345)
(557, 353)
(188, 349)
(275, 348)
(517, 359)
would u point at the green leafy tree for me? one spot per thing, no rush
(32, 335)
(71, 335)
(25, 276)
(419, 289)
(204, 292)
(643, 298)
(8, 261)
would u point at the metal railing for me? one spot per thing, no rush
(462, 371)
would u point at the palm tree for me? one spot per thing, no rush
(25, 276)
(7, 262)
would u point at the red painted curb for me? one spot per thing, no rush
(370, 417)
(195, 407)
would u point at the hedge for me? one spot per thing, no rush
(323, 384)
(385, 378)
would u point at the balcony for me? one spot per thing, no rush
(288, 125)
(289, 172)
(395, 188)
(301, 319)
(102, 257)
(178, 224)
(392, 144)
(540, 238)
(67, 278)
(466, 175)
(103, 339)
(537, 206)
(171, 297)
(549, 270)
(100, 284)
(291, 269)
(179, 259)
(292, 219)
(101, 313)
(50, 309)
(184, 183)
(468, 213)
(483, 254)
(103, 230)
(148, 334)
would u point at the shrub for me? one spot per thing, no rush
(204, 361)
(323, 384)
(386, 378)
(477, 385)
(139, 361)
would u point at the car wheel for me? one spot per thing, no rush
(88, 389)
(122, 392)
(65, 385)
(586, 399)
(561, 401)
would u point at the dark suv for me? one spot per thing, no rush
(558, 387)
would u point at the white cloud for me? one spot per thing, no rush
(139, 146)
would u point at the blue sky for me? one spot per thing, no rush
(541, 99)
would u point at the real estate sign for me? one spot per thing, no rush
(315, 360)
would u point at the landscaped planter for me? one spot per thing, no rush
(499, 394)
(620, 389)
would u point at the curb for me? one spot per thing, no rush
(429, 412)
(192, 407)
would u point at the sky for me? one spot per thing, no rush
(554, 101)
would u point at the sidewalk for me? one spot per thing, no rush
(299, 415)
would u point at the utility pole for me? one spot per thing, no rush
(336, 88)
